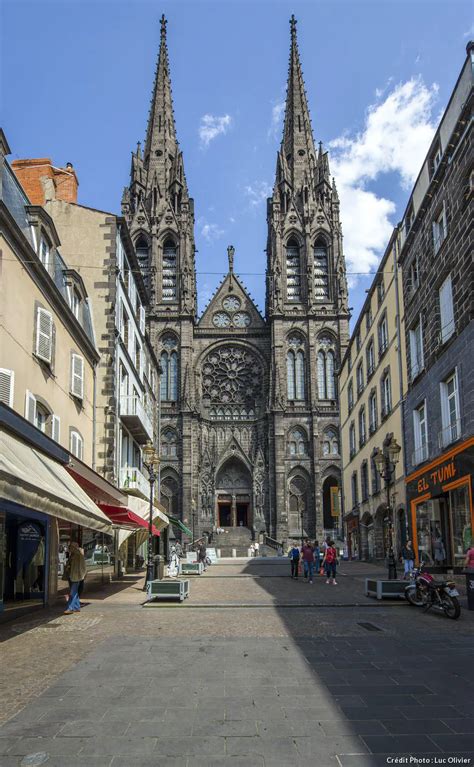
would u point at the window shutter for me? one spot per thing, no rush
(77, 376)
(44, 335)
(142, 319)
(56, 428)
(446, 309)
(7, 382)
(413, 359)
(30, 407)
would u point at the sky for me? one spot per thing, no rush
(77, 78)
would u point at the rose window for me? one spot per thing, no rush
(232, 383)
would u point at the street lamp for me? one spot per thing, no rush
(302, 525)
(151, 461)
(193, 507)
(385, 462)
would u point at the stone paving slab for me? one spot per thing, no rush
(258, 687)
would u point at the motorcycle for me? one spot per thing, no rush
(424, 591)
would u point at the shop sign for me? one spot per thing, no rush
(455, 466)
(431, 481)
(28, 539)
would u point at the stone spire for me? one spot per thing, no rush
(297, 154)
(161, 145)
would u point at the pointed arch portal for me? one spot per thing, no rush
(233, 494)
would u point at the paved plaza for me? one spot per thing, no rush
(254, 669)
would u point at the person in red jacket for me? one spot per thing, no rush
(330, 562)
(308, 560)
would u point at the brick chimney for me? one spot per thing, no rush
(42, 181)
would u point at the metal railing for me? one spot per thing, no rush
(272, 543)
(419, 455)
(450, 433)
(131, 478)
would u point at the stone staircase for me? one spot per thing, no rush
(238, 538)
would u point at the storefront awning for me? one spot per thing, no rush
(126, 518)
(177, 523)
(31, 479)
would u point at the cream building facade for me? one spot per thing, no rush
(48, 356)
(372, 387)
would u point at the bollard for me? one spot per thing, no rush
(234, 552)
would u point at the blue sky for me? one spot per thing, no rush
(77, 80)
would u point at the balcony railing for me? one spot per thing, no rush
(420, 455)
(136, 417)
(450, 433)
(133, 481)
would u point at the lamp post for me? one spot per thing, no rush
(151, 461)
(385, 461)
(302, 525)
(193, 507)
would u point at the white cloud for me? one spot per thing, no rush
(277, 115)
(210, 232)
(258, 192)
(395, 138)
(469, 33)
(212, 126)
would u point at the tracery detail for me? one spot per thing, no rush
(232, 379)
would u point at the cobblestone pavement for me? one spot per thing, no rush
(255, 669)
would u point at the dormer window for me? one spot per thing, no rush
(44, 251)
(75, 302)
(435, 159)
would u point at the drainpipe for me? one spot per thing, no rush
(94, 414)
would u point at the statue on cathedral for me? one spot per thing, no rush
(230, 256)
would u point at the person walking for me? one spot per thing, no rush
(469, 561)
(408, 556)
(330, 562)
(294, 556)
(202, 554)
(77, 572)
(308, 560)
(317, 557)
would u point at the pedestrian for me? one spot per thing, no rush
(202, 553)
(257, 548)
(317, 557)
(330, 562)
(308, 560)
(469, 561)
(408, 556)
(294, 556)
(76, 573)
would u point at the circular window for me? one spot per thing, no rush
(221, 320)
(241, 319)
(231, 303)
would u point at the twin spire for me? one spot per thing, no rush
(297, 147)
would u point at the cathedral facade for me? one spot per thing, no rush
(249, 403)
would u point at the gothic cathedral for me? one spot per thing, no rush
(249, 413)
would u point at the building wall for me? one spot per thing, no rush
(94, 241)
(449, 186)
(52, 386)
(393, 361)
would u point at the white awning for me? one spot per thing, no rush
(142, 508)
(31, 479)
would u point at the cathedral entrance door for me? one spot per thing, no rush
(225, 514)
(234, 491)
(242, 514)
